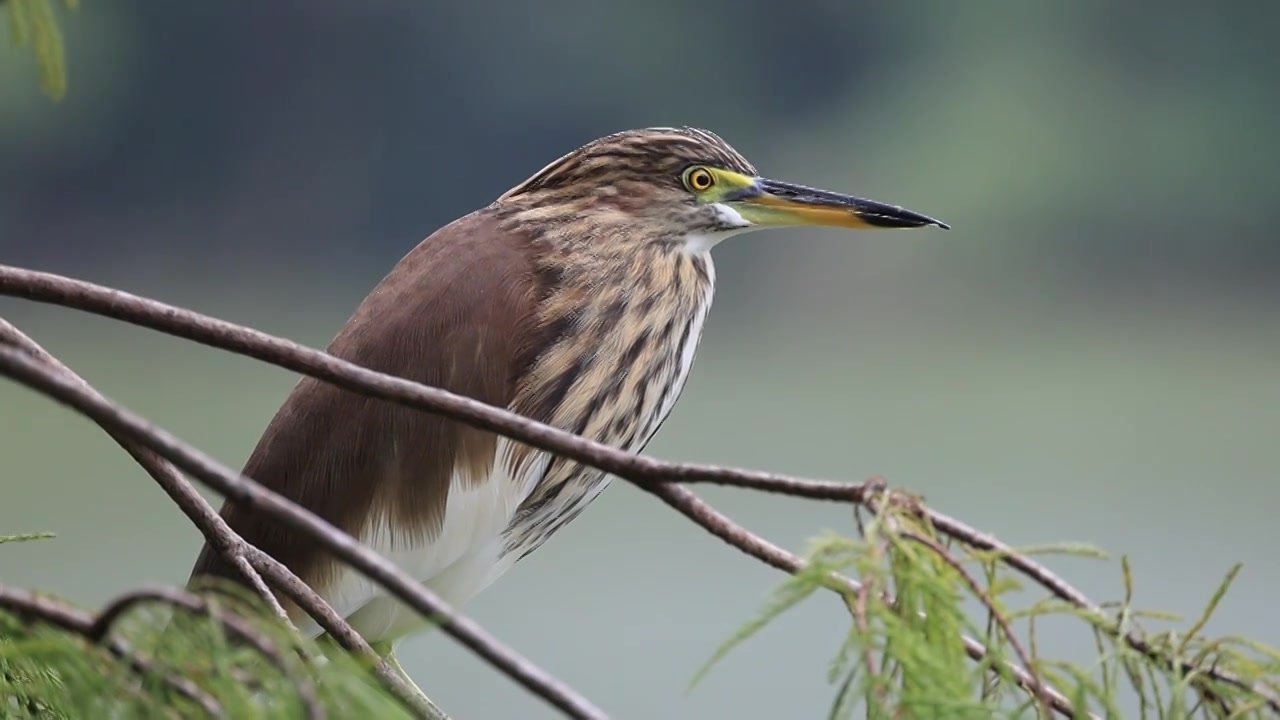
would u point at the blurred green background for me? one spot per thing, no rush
(1092, 354)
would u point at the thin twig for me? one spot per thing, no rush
(859, 609)
(976, 588)
(246, 569)
(283, 579)
(35, 606)
(221, 537)
(235, 626)
(37, 375)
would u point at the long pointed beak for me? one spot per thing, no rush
(772, 203)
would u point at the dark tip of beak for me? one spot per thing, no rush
(873, 213)
(892, 216)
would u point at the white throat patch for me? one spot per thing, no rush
(733, 222)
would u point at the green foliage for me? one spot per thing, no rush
(904, 655)
(49, 672)
(32, 24)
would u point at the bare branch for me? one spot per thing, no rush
(230, 544)
(179, 322)
(170, 480)
(37, 375)
(649, 473)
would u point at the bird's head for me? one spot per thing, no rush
(685, 185)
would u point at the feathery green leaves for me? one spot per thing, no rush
(903, 655)
(154, 648)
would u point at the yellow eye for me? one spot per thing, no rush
(699, 179)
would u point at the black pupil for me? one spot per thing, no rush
(701, 179)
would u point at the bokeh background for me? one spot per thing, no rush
(1092, 354)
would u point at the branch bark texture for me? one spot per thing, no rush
(150, 444)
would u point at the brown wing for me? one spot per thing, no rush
(457, 312)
